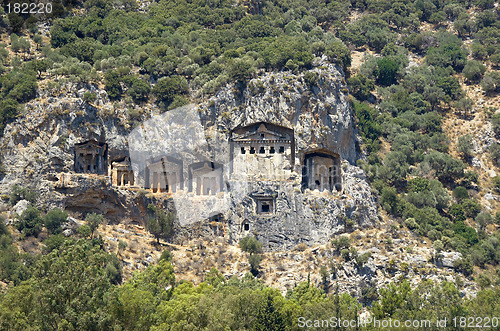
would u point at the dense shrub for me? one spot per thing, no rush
(361, 86)
(112, 84)
(473, 71)
(471, 208)
(464, 145)
(460, 193)
(491, 82)
(159, 223)
(386, 71)
(54, 219)
(18, 193)
(495, 153)
(30, 222)
(495, 124)
(251, 245)
(168, 87)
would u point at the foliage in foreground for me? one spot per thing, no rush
(77, 287)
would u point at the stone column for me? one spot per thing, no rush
(198, 186)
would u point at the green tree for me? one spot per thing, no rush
(464, 145)
(418, 184)
(139, 90)
(311, 78)
(93, 221)
(30, 222)
(460, 193)
(54, 242)
(491, 82)
(464, 266)
(38, 41)
(168, 87)
(473, 71)
(40, 66)
(159, 223)
(84, 231)
(18, 193)
(82, 49)
(254, 260)
(483, 281)
(449, 53)
(67, 291)
(446, 168)
(367, 121)
(361, 86)
(16, 22)
(338, 52)
(54, 219)
(495, 124)
(496, 183)
(484, 219)
(471, 208)
(250, 245)
(112, 84)
(391, 299)
(495, 153)
(214, 277)
(478, 51)
(89, 97)
(464, 105)
(240, 70)
(19, 85)
(13, 267)
(386, 71)
(341, 242)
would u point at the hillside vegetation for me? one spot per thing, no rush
(429, 70)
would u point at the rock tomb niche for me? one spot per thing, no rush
(164, 175)
(262, 151)
(321, 171)
(91, 157)
(205, 178)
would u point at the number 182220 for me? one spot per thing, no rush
(29, 8)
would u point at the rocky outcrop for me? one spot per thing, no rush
(321, 118)
(38, 151)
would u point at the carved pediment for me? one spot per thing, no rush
(262, 131)
(90, 145)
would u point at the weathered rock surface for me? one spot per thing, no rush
(38, 150)
(21, 206)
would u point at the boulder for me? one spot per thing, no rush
(21, 206)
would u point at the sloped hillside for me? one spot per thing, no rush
(406, 91)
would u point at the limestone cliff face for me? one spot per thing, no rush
(38, 151)
(318, 113)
